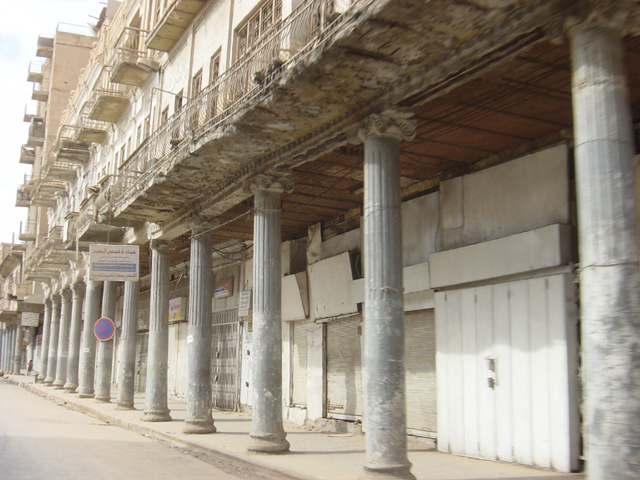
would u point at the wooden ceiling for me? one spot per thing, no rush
(518, 106)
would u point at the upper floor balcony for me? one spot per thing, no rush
(46, 190)
(89, 130)
(27, 155)
(45, 46)
(49, 257)
(173, 23)
(40, 91)
(108, 100)
(36, 73)
(23, 195)
(131, 63)
(67, 148)
(36, 133)
(28, 230)
(30, 111)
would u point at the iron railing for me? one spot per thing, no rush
(288, 44)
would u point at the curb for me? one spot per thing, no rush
(223, 456)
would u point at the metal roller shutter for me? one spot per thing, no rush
(142, 348)
(344, 370)
(224, 360)
(420, 370)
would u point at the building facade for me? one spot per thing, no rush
(405, 217)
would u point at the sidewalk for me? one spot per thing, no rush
(314, 454)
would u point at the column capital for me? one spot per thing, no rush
(66, 295)
(600, 14)
(163, 246)
(55, 300)
(274, 183)
(391, 123)
(200, 224)
(79, 289)
(47, 302)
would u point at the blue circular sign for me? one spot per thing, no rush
(104, 329)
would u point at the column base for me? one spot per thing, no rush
(156, 416)
(268, 443)
(102, 399)
(58, 385)
(86, 395)
(199, 427)
(387, 472)
(124, 406)
(49, 380)
(71, 387)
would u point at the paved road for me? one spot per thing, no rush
(45, 441)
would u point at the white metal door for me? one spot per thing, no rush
(225, 370)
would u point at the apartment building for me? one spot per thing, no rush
(361, 213)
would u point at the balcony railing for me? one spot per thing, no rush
(28, 230)
(27, 155)
(108, 99)
(36, 133)
(67, 147)
(131, 63)
(40, 91)
(89, 130)
(35, 71)
(23, 195)
(175, 19)
(290, 43)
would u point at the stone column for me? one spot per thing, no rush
(199, 418)
(88, 349)
(73, 361)
(608, 247)
(52, 360)
(105, 348)
(127, 355)
(385, 404)
(157, 409)
(44, 346)
(31, 348)
(267, 432)
(3, 347)
(17, 352)
(63, 339)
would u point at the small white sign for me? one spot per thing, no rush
(177, 309)
(114, 263)
(30, 319)
(244, 303)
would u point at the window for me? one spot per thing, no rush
(256, 26)
(147, 127)
(123, 153)
(178, 102)
(196, 84)
(214, 68)
(139, 138)
(164, 117)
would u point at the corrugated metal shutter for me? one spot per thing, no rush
(299, 362)
(344, 368)
(420, 370)
(142, 347)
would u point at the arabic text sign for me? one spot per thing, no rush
(114, 263)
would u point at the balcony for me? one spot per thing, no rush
(91, 226)
(27, 155)
(40, 91)
(67, 148)
(23, 195)
(30, 111)
(46, 190)
(28, 231)
(36, 133)
(91, 131)
(108, 99)
(48, 258)
(131, 63)
(173, 23)
(35, 71)
(45, 46)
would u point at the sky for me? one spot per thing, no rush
(21, 22)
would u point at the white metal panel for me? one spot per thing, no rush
(293, 307)
(177, 360)
(529, 328)
(344, 367)
(420, 370)
(329, 283)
